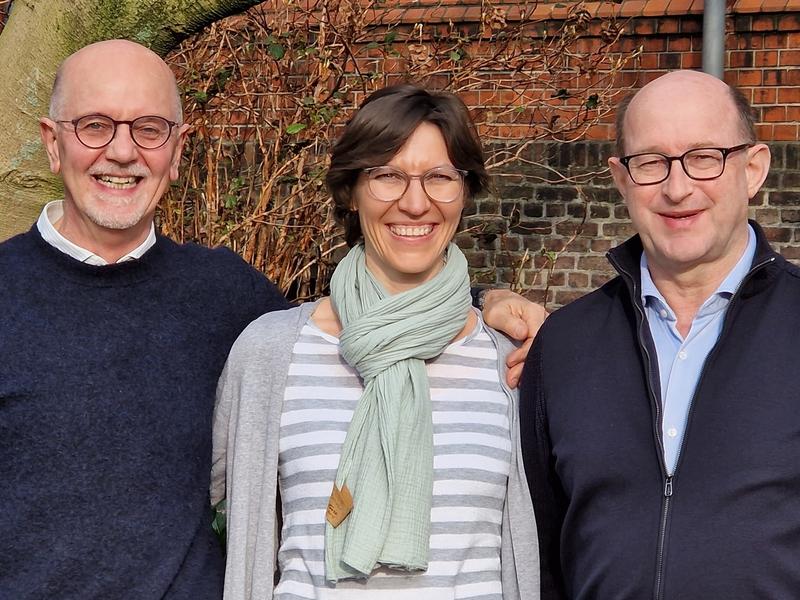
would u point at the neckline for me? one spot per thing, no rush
(479, 326)
(124, 273)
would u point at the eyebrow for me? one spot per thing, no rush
(693, 146)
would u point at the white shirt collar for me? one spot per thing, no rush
(54, 210)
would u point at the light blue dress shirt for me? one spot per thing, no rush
(680, 360)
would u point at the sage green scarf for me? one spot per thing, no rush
(387, 456)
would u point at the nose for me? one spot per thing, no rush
(122, 149)
(678, 185)
(414, 201)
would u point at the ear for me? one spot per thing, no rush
(47, 131)
(175, 163)
(757, 168)
(620, 175)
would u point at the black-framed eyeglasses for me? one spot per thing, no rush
(148, 132)
(441, 184)
(702, 164)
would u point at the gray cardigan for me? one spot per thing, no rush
(245, 463)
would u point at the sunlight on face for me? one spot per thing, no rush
(405, 240)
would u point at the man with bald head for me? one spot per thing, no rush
(112, 339)
(660, 422)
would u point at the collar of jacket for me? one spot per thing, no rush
(766, 264)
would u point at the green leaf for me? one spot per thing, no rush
(373, 45)
(455, 55)
(200, 97)
(222, 77)
(389, 37)
(295, 128)
(276, 51)
(218, 524)
(592, 101)
(326, 113)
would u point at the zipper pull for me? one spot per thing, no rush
(668, 487)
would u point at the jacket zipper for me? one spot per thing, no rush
(656, 403)
(668, 479)
(662, 536)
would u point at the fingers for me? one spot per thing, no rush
(515, 361)
(512, 314)
(513, 326)
(518, 356)
(534, 315)
(506, 312)
(513, 375)
(518, 318)
(504, 318)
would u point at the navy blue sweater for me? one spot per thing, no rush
(611, 524)
(107, 384)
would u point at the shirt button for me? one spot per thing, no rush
(672, 432)
(682, 354)
(663, 313)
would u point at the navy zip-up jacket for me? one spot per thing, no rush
(611, 524)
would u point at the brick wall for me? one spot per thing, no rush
(523, 223)
(550, 240)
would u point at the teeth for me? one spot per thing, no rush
(117, 182)
(417, 231)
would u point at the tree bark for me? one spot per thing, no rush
(39, 34)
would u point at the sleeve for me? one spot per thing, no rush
(245, 433)
(549, 500)
(219, 439)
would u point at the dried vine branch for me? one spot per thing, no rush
(268, 91)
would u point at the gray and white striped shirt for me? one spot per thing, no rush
(472, 452)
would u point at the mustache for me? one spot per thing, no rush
(117, 171)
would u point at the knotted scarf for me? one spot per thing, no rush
(387, 456)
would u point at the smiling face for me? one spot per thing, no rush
(405, 240)
(112, 192)
(683, 223)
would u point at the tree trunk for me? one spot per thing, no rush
(39, 34)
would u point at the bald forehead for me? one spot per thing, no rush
(682, 105)
(109, 60)
(115, 51)
(679, 85)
